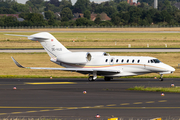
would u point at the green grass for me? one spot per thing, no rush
(156, 89)
(97, 40)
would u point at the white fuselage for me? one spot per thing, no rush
(96, 63)
(127, 65)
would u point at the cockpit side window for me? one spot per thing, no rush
(156, 60)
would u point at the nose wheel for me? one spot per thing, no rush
(161, 77)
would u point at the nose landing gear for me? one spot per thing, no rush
(161, 77)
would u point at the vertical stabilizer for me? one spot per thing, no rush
(52, 46)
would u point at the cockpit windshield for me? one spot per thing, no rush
(154, 61)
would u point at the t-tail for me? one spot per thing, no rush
(52, 46)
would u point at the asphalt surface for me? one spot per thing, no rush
(64, 98)
(95, 50)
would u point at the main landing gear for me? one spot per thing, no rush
(91, 78)
(108, 78)
(161, 77)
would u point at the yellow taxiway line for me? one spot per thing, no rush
(29, 107)
(109, 106)
(49, 83)
(138, 107)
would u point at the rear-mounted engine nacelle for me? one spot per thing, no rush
(75, 57)
(99, 54)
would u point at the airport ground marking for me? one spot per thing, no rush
(98, 106)
(44, 110)
(16, 112)
(140, 108)
(49, 83)
(162, 101)
(16, 107)
(31, 111)
(125, 104)
(150, 102)
(110, 106)
(137, 103)
(86, 107)
(57, 109)
(3, 113)
(70, 108)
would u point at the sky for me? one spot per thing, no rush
(73, 1)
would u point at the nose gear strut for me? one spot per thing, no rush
(161, 77)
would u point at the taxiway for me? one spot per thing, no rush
(64, 98)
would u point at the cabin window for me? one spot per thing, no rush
(132, 61)
(117, 60)
(138, 61)
(148, 61)
(122, 60)
(127, 60)
(106, 60)
(111, 60)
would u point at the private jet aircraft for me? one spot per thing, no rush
(96, 63)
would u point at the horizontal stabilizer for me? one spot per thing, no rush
(34, 38)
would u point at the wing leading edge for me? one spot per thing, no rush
(81, 70)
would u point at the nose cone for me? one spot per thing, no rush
(170, 69)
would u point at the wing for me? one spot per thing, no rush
(80, 70)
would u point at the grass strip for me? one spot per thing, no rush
(97, 40)
(156, 89)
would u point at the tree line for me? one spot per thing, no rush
(120, 12)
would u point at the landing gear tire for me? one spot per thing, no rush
(161, 77)
(107, 78)
(90, 78)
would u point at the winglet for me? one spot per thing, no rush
(19, 65)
